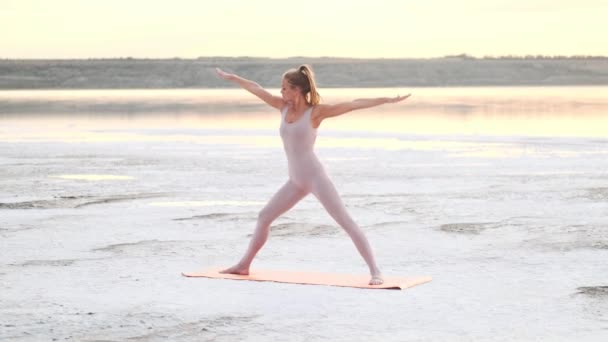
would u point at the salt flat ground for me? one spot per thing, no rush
(501, 195)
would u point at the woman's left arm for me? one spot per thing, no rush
(328, 111)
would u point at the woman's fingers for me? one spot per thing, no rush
(221, 73)
(400, 98)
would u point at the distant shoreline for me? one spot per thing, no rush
(332, 72)
(327, 58)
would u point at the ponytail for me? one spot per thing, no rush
(312, 95)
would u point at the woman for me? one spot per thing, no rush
(301, 116)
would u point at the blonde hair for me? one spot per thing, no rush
(304, 78)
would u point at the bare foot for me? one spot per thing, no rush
(376, 280)
(236, 269)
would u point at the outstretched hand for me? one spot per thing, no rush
(398, 98)
(223, 75)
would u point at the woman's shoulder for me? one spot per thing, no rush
(318, 109)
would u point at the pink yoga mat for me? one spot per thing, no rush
(316, 278)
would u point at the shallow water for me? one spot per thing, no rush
(500, 194)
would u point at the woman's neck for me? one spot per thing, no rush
(299, 106)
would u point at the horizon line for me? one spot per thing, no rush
(461, 56)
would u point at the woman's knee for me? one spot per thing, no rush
(265, 217)
(348, 224)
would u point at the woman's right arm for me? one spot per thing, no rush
(252, 87)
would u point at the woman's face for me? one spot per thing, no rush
(289, 92)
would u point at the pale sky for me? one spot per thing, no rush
(272, 28)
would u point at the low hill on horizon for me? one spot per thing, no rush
(460, 70)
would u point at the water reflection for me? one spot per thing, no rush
(124, 115)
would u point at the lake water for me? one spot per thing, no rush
(499, 193)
